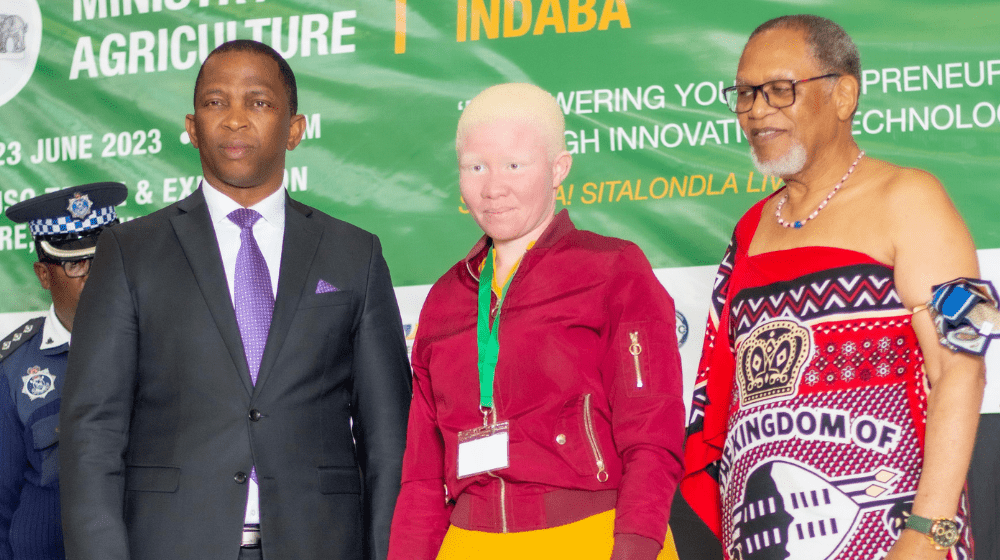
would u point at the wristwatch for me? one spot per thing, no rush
(942, 532)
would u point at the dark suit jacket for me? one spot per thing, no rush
(160, 423)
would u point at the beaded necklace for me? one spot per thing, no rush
(784, 199)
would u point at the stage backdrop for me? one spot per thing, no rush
(94, 90)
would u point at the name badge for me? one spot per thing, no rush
(483, 449)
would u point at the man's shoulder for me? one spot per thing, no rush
(20, 336)
(914, 204)
(329, 223)
(146, 225)
(898, 180)
(906, 189)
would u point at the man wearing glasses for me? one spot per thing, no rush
(65, 225)
(828, 421)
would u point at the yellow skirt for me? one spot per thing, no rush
(590, 538)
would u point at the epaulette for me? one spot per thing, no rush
(22, 334)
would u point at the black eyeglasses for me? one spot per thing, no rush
(74, 269)
(777, 93)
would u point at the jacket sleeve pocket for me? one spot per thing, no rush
(339, 480)
(152, 479)
(649, 359)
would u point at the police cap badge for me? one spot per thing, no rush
(65, 224)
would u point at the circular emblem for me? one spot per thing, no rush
(20, 42)
(79, 206)
(38, 383)
(682, 328)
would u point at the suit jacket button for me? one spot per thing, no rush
(240, 477)
(255, 414)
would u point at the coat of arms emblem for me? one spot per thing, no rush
(79, 206)
(38, 383)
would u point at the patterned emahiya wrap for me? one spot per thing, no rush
(965, 314)
(68, 224)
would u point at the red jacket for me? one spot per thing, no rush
(591, 426)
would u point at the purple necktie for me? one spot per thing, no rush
(252, 294)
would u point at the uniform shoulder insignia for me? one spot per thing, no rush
(22, 334)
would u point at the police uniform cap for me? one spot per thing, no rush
(65, 224)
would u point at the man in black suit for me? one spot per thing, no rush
(240, 375)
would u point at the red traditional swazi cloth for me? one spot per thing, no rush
(807, 428)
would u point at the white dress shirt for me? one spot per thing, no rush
(53, 332)
(269, 231)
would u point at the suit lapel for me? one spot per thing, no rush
(194, 230)
(301, 239)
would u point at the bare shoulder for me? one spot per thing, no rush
(930, 242)
(909, 185)
(914, 199)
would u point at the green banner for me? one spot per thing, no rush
(96, 90)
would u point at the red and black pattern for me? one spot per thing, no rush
(721, 286)
(851, 289)
(812, 368)
(703, 446)
(720, 290)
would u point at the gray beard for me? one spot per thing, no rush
(789, 163)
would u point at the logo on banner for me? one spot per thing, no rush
(682, 328)
(770, 360)
(20, 41)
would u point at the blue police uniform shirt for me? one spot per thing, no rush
(31, 380)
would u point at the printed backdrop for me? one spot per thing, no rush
(94, 90)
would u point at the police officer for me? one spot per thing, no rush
(65, 225)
